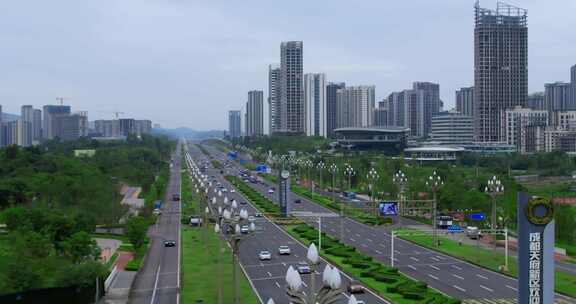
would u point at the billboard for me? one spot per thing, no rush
(388, 208)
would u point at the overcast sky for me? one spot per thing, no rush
(187, 62)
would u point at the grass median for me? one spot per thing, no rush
(200, 276)
(565, 283)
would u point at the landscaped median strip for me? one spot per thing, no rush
(385, 281)
(565, 282)
(261, 202)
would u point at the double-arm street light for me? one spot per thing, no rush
(494, 188)
(372, 176)
(401, 182)
(434, 183)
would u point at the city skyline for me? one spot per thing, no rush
(131, 51)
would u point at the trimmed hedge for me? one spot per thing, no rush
(261, 202)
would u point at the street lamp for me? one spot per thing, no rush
(309, 164)
(330, 292)
(333, 169)
(434, 183)
(234, 218)
(372, 176)
(494, 188)
(401, 181)
(320, 166)
(349, 172)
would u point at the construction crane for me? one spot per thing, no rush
(116, 114)
(61, 100)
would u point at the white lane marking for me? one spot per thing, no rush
(459, 288)
(295, 255)
(283, 264)
(358, 235)
(369, 240)
(155, 285)
(396, 252)
(304, 283)
(435, 259)
(434, 267)
(484, 287)
(457, 276)
(433, 276)
(411, 267)
(277, 285)
(269, 274)
(482, 277)
(512, 287)
(353, 240)
(455, 267)
(415, 259)
(364, 245)
(378, 251)
(440, 257)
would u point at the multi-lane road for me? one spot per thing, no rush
(158, 280)
(449, 275)
(268, 277)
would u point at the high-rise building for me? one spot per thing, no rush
(49, 112)
(69, 126)
(26, 128)
(331, 107)
(126, 126)
(36, 126)
(255, 113)
(573, 84)
(517, 121)
(142, 126)
(557, 97)
(234, 124)
(355, 106)
(274, 113)
(107, 128)
(396, 109)
(536, 101)
(465, 101)
(500, 67)
(9, 132)
(381, 114)
(315, 100)
(292, 109)
(430, 99)
(452, 128)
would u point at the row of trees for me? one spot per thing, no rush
(51, 202)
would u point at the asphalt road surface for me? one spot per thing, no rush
(158, 280)
(449, 275)
(268, 277)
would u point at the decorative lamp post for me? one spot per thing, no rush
(309, 164)
(320, 166)
(349, 172)
(372, 176)
(331, 291)
(333, 169)
(401, 182)
(434, 183)
(494, 188)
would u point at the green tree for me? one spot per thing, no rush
(136, 228)
(80, 247)
(21, 275)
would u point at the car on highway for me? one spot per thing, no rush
(473, 232)
(175, 197)
(258, 214)
(297, 201)
(232, 190)
(244, 229)
(157, 211)
(355, 287)
(224, 190)
(284, 250)
(243, 203)
(303, 268)
(270, 191)
(169, 243)
(251, 218)
(264, 255)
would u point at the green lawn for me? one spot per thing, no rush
(200, 277)
(565, 283)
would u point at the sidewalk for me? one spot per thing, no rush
(119, 290)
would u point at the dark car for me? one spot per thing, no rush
(297, 201)
(355, 287)
(169, 243)
(175, 197)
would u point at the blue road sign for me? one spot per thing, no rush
(232, 155)
(478, 216)
(455, 229)
(261, 168)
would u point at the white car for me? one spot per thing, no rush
(224, 190)
(270, 191)
(251, 218)
(283, 250)
(264, 255)
(232, 190)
